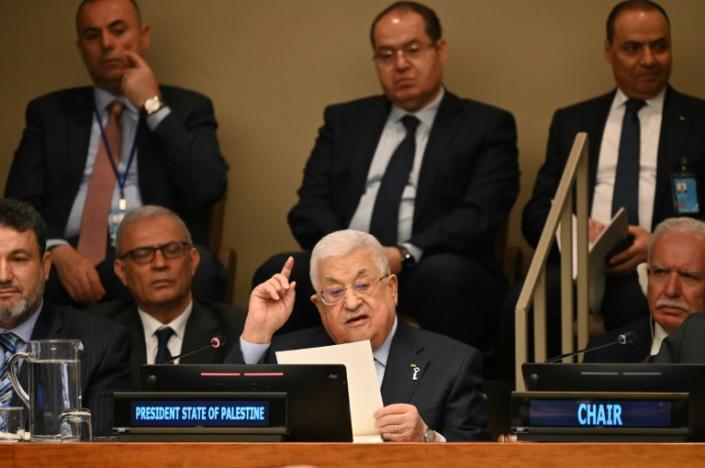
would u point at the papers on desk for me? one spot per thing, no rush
(363, 387)
(599, 251)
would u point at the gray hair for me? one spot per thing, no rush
(145, 212)
(681, 225)
(340, 243)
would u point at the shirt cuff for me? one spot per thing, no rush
(253, 353)
(156, 118)
(51, 243)
(416, 252)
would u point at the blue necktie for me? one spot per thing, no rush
(384, 224)
(626, 180)
(9, 343)
(163, 354)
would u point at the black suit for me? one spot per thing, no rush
(207, 319)
(637, 351)
(447, 392)
(682, 135)
(104, 361)
(686, 345)
(468, 182)
(179, 163)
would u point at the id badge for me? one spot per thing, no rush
(115, 218)
(685, 193)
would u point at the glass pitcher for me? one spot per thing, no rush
(53, 371)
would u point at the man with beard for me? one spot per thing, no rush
(24, 315)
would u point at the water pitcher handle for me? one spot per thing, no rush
(16, 385)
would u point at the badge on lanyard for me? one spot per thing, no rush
(684, 186)
(117, 213)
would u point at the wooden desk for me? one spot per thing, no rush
(348, 455)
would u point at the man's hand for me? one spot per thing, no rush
(400, 422)
(138, 81)
(270, 306)
(594, 230)
(626, 261)
(394, 259)
(77, 275)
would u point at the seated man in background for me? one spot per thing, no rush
(156, 261)
(24, 315)
(89, 155)
(356, 299)
(643, 136)
(431, 175)
(676, 289)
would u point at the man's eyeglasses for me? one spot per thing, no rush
(365, 286)
(144, 255)
(387, 56)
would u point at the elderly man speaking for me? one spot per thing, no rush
(356, 298)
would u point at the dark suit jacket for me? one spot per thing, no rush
(637, 351)
(179, 163)
(447, 393)
(207, 319)
(686, 345)
(682, 135)
(468, 182)
(104, 361)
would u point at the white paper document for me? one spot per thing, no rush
(363, 387)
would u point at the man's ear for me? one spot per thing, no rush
(394, 284)
(195, 260)
(119, 269)
(46, 265)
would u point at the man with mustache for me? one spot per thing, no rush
(89, 155)
(676, 289)
(25, 315)
(156, 261)
(430, 383)
(645, 139)
(433, 176)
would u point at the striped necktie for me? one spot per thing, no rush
(9, 343)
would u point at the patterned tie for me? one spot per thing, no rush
(9, 343)
(93, 238)
(384, 224)
(626, 180)
(163, 335)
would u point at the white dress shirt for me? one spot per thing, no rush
(150, 325)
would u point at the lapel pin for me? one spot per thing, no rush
(415, 369)
(682, 118)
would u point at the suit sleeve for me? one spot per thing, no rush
(685, 345)
(110, 374)
(191, 155)
(26, 179)
(465, 416)
(468, 215)
(547, 180)
(314, 215)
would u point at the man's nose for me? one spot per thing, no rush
(352, 299)
(5, 271)
(400, 60)
(107, 41)
(159, 261)
(673, 285)
(647, 56)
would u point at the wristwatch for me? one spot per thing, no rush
(407, 260)
(153, 105)
(429, 435)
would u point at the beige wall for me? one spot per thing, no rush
(272, 65)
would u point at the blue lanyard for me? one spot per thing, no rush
(121, 179)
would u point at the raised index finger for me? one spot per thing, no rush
(288, 266)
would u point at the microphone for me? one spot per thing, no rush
(215, 343)
(625, 338)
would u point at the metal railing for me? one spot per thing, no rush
(575, 176)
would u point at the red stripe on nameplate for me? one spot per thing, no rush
(221, 374)
(264, 374)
